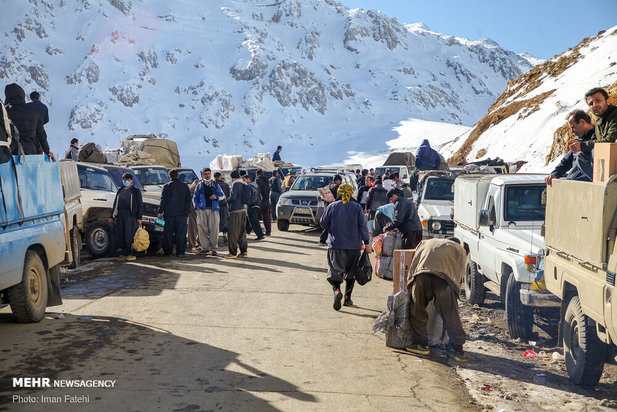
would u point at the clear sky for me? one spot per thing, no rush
(541, 28)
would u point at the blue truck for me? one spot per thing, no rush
(32, 235)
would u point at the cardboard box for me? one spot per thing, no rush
(604, 161)
(400, 268)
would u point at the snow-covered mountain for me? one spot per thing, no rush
(232, 76)
(528, 121)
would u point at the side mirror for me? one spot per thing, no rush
(483, 218)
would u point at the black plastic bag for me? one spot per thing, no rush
(363, 272)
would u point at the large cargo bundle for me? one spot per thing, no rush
(164, 151)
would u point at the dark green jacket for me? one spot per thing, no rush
(606, 129)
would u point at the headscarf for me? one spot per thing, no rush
(345, 191)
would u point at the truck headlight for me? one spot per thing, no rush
(436, 225)
(283, 201)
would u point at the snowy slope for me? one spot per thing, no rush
(527, 121)
(235, 76)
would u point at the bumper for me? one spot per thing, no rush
(153, 229)
(539, 300)
(300, 215)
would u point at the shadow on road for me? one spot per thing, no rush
(154, 369)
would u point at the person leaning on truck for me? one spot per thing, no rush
(406, 219)
(437, 270)
(576, 165)
(606, 123)
(127, 212)
(175, 208)
(28, 122)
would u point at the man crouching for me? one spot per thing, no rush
(437, 270)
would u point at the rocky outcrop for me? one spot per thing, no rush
(291, 83)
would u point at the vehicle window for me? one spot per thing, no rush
(94, 179)
(116, 174)
(187, 176)
(524, 203)
(152, 175)
(439, 189)
(380, 171)
(311, 182)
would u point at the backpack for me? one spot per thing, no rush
(250, 195)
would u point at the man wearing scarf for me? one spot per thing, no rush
(346, 226)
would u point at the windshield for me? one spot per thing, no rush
(439, 189)
(95, 179)
(152, 175)
(311, 182)
(187, 176)
(380, 171)
(116, 174)
(524, 203)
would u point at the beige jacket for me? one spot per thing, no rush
(440, 257)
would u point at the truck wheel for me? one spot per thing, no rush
(28, 299)
(475, 292)
(100, 239)
(75, 247)
(282, 225)
(584, 352)
(518, 316)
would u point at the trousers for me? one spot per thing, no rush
(208, 226)
(237, 232)
(174, 232)
(126, 226)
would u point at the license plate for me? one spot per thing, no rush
(303, 210)
(157, 228)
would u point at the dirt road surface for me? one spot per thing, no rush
(206, 333)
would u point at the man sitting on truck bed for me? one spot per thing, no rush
(576, 165)
(606, 124)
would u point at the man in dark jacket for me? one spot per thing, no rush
(277, 154)
(377, 196)
(252, 211)
(264, 207)
(576, 165)
(364, 189)
(427, 158)
(237, 219)
(606, 124)
(39, 106)
(406, 219)
(276, 189)
(28, 122)
(175, 208)
(72, 153)
(346, 226)
(223, 205)
(127, 212)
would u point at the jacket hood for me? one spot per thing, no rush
(425, 143)
(14, 94)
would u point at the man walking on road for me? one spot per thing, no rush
(127, 212)
(264, 206)
(237, 218)
(346, 226)
(252, 210)
(206, 199)
(276, 189)
(175, 209)
(437, 270)
(406, 219)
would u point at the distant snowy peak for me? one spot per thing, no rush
(241, 76)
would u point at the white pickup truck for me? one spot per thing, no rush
(498, 219)
(434, 204)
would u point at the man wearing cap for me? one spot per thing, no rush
(406, 219)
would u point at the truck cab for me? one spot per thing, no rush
(32, 236)
(498, 219)
(580, 267)
(434, 204)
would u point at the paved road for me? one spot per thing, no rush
(207, 333)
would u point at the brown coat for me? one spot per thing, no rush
(440, 257)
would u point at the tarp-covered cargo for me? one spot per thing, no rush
(164, 151)
(400, 158)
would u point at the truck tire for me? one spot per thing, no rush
(100, 239)
(584, 353)
(282, 225)
(518, 316)
(475, 292)
(28, 299)
(75, 247)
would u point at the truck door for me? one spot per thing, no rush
(487, 250)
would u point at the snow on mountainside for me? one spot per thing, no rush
(528, 121)
(235, 76)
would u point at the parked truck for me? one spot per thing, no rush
(401, 163)
(434, 204)
(498, 220)
(73, 214)
(580, 267)
(32, 236)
